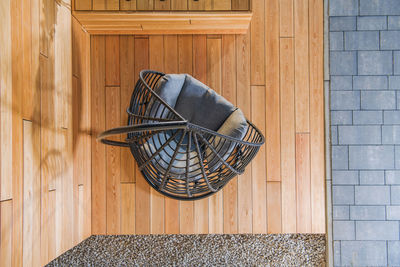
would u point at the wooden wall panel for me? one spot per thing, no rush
(113, 162)
(98, 125)
(256, 72)
(6, 101)
(245, 214)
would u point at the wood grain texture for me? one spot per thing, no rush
(105, 4)
(128, 81)
(258, 170)
(31, 193)
(112, 61)
(113, 162)
(98, 125)
(17, 40)
(6, 101)
(6, 237)
(273, 149)
(258, 33)
(179, 4)
(245, 206)
(288, 163)
(302, 82)
(240, 4)
(127, 4)
(144, 4)
(265, 199)
(317, 148)
(303, 183)
(83, 4)
(274, 211)
(286, 18)
(127, 209)
(162, 4)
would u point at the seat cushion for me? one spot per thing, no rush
(201, 106)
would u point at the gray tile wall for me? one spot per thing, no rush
(364, 44)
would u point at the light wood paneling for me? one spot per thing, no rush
(112, 61)
(113, 162)
(245, 215)
(258, 169)
(179, 4)
(31, 192)
(317, 149)
(127, 4)
(127, 209)
(98, 125)
(303, 183)
(288, 163)
(257, 72)
(302, 82)
(84, 5)
(6, 237)
(286, 18)
(6, 101)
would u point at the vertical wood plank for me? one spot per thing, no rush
(156, 52)
(27, 48)
(200, 73)
(80, 213)
(112, 61)
(62, 64)
(127, 209)
(171, 66)
(221, 5)
(128, 81)
(286, 18)
(51, 224)
(257, 29)
(259, 179)
(230, 198)
(274, 218)
(142, 202)
(47, 21)
(17, 135)
(6, 237)
(31, 192)
(288, 164)
(245, 215)
(179, 4)
(113, 162)
(303, 183)
(6, 101)
(98, 106)
(127, 4)
(272, 90)
(317, 114)
(302, 83)
(214, 80)
(83, 5)
(144, 4)
(197, 5)
(240, 5)
(105, 4)
(162, 4)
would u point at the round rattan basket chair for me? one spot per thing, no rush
(188, 141)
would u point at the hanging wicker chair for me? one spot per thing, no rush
(188, 141)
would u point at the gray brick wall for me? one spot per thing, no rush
(364, 62)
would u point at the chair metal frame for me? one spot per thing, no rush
(150, 117)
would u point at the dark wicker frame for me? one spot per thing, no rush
(216, 170)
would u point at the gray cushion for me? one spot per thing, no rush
(202, 106)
